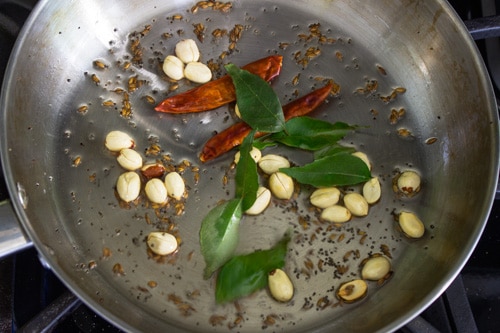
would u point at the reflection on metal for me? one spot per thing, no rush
(12, 237)
(23, 197)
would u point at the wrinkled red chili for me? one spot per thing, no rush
(234, 135)
(218, 92)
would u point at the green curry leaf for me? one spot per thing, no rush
(247, 178)
(311, 134)
(333, 150)
(219, 234)
(335, 170)
(242, 275)
(258, 103)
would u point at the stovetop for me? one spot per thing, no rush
(471, 303)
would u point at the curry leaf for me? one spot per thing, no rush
(311, 134)
(335, 170)
(242, 275)
(264, 142)
(258, 103)
(247, 178)
(333, 150)
(219, 234)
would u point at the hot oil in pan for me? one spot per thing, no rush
(127, 82)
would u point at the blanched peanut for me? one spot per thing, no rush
(118, 140)
(197, 72)
(255, 153)
(261, 202)
(173, 67)
(129, 159)
(280, 285)
(281, 185)
(162, 243)
(128, 186)
(272, 163)
(175, 185)
(364, 158)
(325, 197)
(352, 291)
(411, 225)
(187, 51)
(156, 191)
(376, 268)
(372, 191)
(356, 204)
(409, 183)
(336, 214)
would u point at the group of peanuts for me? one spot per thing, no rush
(128, 185)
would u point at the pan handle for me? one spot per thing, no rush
(12, 237)
(484, 27)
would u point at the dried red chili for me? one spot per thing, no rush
(216, 93)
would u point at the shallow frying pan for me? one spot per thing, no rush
(62, 179)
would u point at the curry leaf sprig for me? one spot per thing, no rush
(219, 229)
(332, 164)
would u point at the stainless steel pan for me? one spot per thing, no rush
(71, 213)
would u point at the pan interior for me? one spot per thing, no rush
(54, 125)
